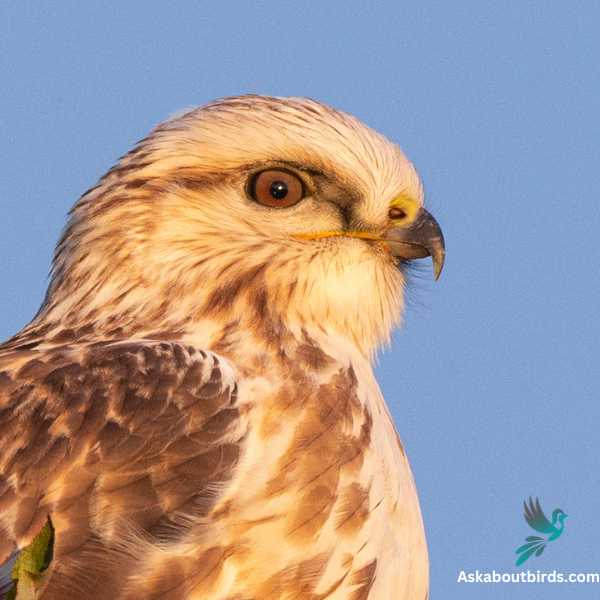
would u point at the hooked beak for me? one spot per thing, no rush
(422, 237)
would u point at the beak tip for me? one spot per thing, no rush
(421, 238)
(438, 258)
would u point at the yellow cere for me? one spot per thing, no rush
(409, 206)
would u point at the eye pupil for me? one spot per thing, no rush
(279, 190)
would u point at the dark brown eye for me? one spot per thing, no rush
(277, 188)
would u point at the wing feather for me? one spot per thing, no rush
(534, 515)
(109, 440)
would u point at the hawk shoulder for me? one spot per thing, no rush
(109, 441)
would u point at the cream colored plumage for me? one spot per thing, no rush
(196, 410)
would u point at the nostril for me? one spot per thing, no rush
(396, 213)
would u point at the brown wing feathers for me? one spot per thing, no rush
(110, 441)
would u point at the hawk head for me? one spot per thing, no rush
(281, 214)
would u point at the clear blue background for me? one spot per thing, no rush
(494, 381)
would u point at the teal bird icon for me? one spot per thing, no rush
(534, 515)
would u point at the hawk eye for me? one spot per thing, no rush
(276, 188)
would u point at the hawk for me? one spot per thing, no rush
(192, 414)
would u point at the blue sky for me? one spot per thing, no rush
(494, 381)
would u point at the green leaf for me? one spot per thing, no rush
(31, 562)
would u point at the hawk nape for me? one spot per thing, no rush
(193, 412)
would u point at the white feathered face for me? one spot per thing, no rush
(272, 211)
